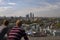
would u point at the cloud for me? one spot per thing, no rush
(12, 3)
(38, 7)
(3, 9)
(49, 9)
(6, 11)
(1, 1)
(46, 10)
(46, 7)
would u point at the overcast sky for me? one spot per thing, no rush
(44, 8)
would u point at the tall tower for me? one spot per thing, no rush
(31, 16)
(27, 16)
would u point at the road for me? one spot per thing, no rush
(44, 38)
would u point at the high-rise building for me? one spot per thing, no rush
(31, 16)
(27, 16)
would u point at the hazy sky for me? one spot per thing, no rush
(44, 8)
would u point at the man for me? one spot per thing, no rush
(4, 29)
(16, 33)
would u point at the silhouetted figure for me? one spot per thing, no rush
(16, 33)
(4, 29)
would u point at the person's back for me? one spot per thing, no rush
(3, 29)
(3, 33)
(16, 33)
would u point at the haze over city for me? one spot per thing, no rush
(40, 8)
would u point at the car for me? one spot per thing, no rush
(39, 34)
(36, 34)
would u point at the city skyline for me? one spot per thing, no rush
(40, 8)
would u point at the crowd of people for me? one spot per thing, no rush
(13, 33)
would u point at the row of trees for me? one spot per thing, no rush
(42, 22)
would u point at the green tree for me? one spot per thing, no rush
(57, 25)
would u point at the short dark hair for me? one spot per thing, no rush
(5, 22)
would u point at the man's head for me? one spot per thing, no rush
(18, 23)
(5, 22)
